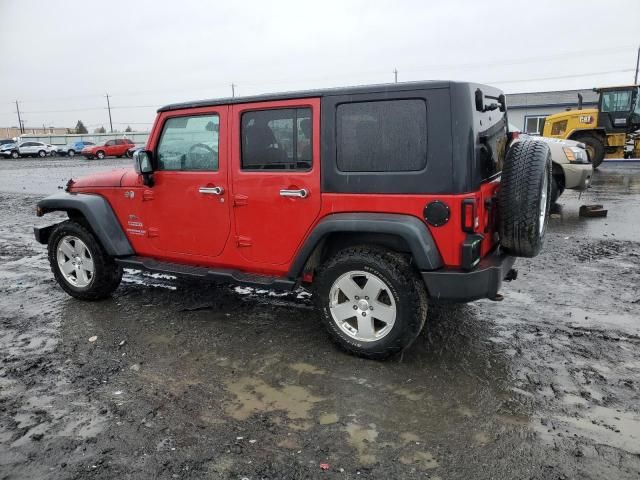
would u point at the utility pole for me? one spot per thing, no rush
(635, 81)
(109, 108)
(395, 74)
(20, 126)
(233, 90)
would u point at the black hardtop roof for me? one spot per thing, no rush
(383, 87)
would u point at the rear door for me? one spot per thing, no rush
(275, 177)
(109, 147)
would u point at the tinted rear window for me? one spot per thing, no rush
(382, 136)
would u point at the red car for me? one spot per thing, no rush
(111, 148)
(380, 198)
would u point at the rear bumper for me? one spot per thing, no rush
(484, 281)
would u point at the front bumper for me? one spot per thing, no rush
(577, 176)
(456, 285)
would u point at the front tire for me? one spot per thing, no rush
(595, 148)
(557, 189)
(79, 263)
(372, 302)
(71, 153)
(100, 155)
(15, 155)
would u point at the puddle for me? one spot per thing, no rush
(255, 396)
(363, 440)
(328, 419)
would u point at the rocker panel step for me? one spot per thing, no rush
(220, 275)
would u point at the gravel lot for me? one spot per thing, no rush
(192, 380)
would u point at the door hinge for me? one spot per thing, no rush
(147, 195)
(240, 200)
(153, 232)
(243, 241)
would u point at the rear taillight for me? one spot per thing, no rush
(513, 136)
(469, 215)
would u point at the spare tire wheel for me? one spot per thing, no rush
(525, 197)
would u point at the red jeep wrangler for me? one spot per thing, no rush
(382, 197)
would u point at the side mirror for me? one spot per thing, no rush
(143, 166)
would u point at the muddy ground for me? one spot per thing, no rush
(192, 380)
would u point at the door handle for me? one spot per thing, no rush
(211, 190)
(302, 193)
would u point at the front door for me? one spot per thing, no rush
(187, 209)
(276, 177)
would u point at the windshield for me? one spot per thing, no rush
(616, 101)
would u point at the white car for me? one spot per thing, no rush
(28, 149)
(572, 167)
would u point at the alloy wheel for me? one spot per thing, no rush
(362, 306)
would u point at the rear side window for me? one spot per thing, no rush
(278, 139)
(382, 136)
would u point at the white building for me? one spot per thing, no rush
(528, 110)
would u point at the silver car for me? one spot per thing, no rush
(28, 149)
(572, 167)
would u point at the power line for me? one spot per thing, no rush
(560, 77)
(524, 60)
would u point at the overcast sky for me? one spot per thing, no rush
(59, 58)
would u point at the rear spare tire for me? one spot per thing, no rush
(525, 197)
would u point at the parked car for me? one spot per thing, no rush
(572, 168)
(6, 141)
(334, 189)
(7, 147)
(72, 148)
(28, 149)
(111, 148)
(132, 150)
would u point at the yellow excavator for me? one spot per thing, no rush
(609, 131)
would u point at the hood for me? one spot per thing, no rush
(111, 178)
(561, 141)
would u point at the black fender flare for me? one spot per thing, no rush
(411, 229)
(97, 212)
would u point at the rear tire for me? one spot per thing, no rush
(525, 197)
(100, 155)
(71, 153)
(42, 154)
(595, 147)
(79, 263)
(15, 155)
(387, 297)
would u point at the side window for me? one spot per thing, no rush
(189, 143)
(110, 143)
(119, 142)
(382, 136)
(279, 139)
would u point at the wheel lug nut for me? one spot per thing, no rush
(357, 298)
(366, 298)
(370, 308)
(355, 307)
(364, 314)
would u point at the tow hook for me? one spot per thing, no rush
(512, 274)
